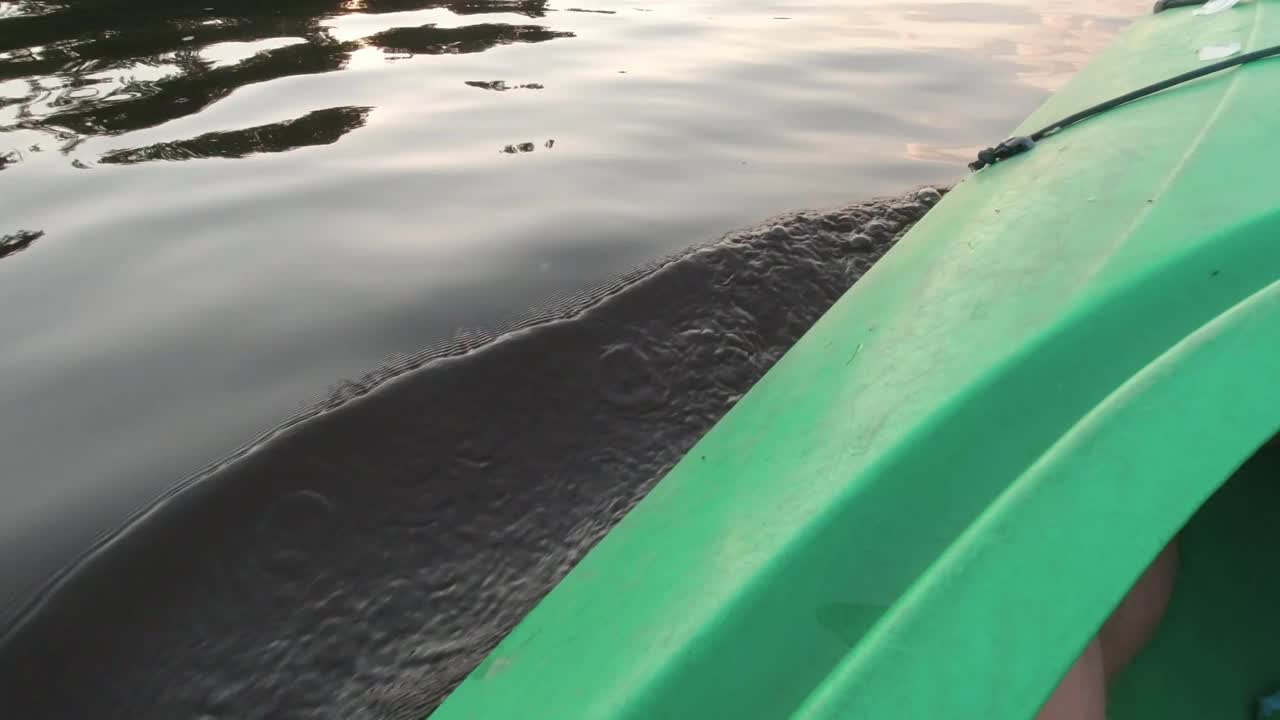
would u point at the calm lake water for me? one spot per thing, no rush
(214, 210)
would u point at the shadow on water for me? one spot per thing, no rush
(359, 560)
(82, 68)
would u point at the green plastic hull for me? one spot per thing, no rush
(931, 503)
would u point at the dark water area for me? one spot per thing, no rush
(220, 216)
(358, 564)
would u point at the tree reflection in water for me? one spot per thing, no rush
(82, 68)
(18, 241)
(321, 127)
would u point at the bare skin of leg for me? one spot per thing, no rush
(1082, 693)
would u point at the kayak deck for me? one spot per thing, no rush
(1021, 403)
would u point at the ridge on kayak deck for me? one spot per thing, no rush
(931, 503)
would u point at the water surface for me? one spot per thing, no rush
(212, 211)
(358, 564)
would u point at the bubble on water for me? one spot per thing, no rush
(629, 379)
(860, 242)
(928, 196)
(295, 533)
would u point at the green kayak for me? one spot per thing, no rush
(928, 507)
